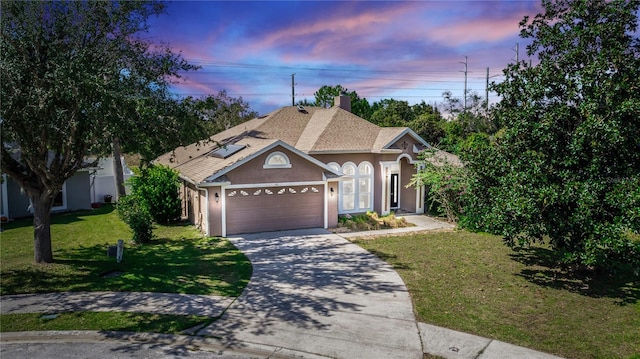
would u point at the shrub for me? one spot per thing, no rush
(158, 188)
(446, 184)
(370, 221)
(136, 215)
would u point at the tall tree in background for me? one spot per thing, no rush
(73, 73)
(568, 165)
(221, 112)
(325, 96)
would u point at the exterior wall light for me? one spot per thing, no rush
(331, 189)
(217, 197)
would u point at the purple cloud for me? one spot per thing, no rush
(378, 48)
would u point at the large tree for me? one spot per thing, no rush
(567, 167)
(74, 74)
(326, 94)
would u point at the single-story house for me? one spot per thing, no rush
(297, 167)
(85, 187)
(103, 180)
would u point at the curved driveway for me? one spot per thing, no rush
(316, 292)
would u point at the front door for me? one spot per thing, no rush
(394, 191)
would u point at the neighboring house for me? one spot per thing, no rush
(297, 168)
(78, 192)
(103, 180)
(74, 195)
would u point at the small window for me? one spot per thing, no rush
(277, 160)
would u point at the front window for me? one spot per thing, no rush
(356, 193)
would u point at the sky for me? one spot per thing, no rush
(405, 50)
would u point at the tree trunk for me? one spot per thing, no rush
(118, 169)
(42, 252)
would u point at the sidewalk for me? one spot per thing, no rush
(434, 340)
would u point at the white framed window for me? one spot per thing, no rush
(365, 186)
(348, 188)
(356, 189)
(277, 160)
(60, 202)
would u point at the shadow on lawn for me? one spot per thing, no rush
(194, 266)
(61, 218)
(543, 269)
(389, 258)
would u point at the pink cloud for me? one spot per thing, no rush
(477, 30)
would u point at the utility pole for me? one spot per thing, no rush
(293, 90)
(486, 92)
(517, 51)
(465, 83)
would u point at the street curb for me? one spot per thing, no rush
(193, 343)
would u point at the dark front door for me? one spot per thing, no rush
(394, 190)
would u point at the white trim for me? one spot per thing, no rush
(356, 188)
(206, 211)
(420, 193)
(326, 205)
(4, 211)
(64, 199)
(275, 184)
(211, 184)
(287, 163)
(406, 131)
(388, 168)
(223, 211)
(404, 155)
(260, 152)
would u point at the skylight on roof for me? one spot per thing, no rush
(226, 151)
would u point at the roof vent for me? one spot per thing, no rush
(301, 109)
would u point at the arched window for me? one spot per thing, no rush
(334, 166)
(277, 160)
(356, 189)
(365, 184)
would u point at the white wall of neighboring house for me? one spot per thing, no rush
(103, 180)
(4, 198)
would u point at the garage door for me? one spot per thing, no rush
(250, 210)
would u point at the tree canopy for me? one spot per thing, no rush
(326, 94)
(567, 167)
(76, 75)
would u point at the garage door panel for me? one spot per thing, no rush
(274, 208)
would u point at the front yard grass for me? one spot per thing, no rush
(474, 283)
(102, 321)
(179, 259)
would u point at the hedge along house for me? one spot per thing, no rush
(297, 168)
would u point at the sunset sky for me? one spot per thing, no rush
(406, 50)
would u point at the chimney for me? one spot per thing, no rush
(343, 101)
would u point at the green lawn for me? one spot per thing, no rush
(474, 283)
(179, 260)
(109, 321)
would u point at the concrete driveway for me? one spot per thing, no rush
(317, 293)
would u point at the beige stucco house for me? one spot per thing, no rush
(297, 168)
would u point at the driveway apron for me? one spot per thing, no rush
(316, 292)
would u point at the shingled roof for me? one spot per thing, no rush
(311, 130)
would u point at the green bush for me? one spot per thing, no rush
(158, 187)
(135, 214)
(446, 184)
(370, 221)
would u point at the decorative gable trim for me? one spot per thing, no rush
(411, 133)
(209, 180)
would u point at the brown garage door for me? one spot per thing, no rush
(250, 210)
